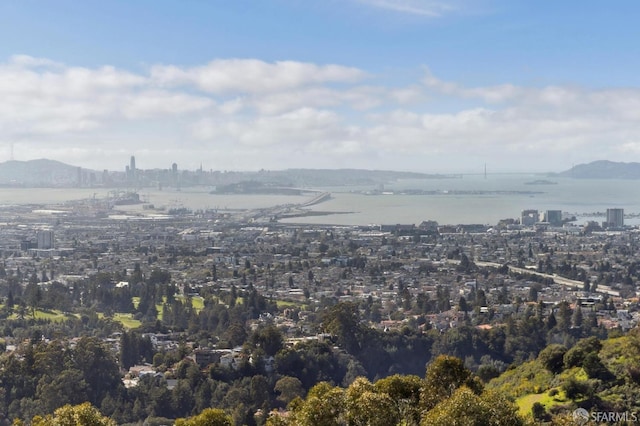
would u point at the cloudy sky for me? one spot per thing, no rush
(421, 85)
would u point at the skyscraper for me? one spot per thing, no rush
(615, 218)
(554, 217)
(45, 240)
(529, 217)
(132, 175)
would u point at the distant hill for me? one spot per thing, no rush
(37, 173)
(604, 170)
(339, 177)
(50, 173)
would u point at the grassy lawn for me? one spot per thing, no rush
(197, 302)
(291, 304)
(526, 402)
(52, 315)
(127, 320)
(286, 303)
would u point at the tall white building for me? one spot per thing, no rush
(615, 218)
(529, 217)
(45, 240)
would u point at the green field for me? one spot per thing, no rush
(52, 315)
(197, 302)
(526, 402)
(126, 320)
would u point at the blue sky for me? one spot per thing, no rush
(389, 84)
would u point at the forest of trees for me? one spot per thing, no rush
(42, 376)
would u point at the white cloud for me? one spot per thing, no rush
(428, 8)
(155, 103)
(294, 114)
(30, 61)
(492, 94)
(39, 96)
(253, 76)
(295, 129)
(360, 98)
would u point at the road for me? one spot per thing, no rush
(556, 278)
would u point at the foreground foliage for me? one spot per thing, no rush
(79, 415)
(449, 394)
(596, 375)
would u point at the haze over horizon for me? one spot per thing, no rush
(408, 85)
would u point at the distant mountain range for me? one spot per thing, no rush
(50, 173)
(603, 169)
(38, 173)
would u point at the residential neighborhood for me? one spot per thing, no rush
(229, 296)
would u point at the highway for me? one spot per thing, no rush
(556, 278)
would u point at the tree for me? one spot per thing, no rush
(575, 356)
(404, 391)
(465, 407)
(68, 387)
(372, 409)
(552, 358)
(236, 334)
(462, 304)
(10, 301)
(77, 415)
(268, 338)
(209, 417)
(576, 318)
(288, 389)
(33, 294)
(100, 371)
(574, 388)
(465, 264)
(182, 400)
(564, 316)
(444, 375)
(538, 412)
(158, 277)
(354, 370)
(359, 387)
(259, 391)
(533, 294)
(343, 321)
(324, 405)
(594, 367)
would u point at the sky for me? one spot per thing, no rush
(415, 85)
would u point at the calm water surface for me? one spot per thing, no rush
(498, 197)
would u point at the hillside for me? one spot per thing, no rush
(599, 376)
(37, 173)
(604, 170)
(50, 173)
(340, 177)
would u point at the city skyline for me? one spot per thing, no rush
(423, 86)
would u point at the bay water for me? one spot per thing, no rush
(465, 200)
